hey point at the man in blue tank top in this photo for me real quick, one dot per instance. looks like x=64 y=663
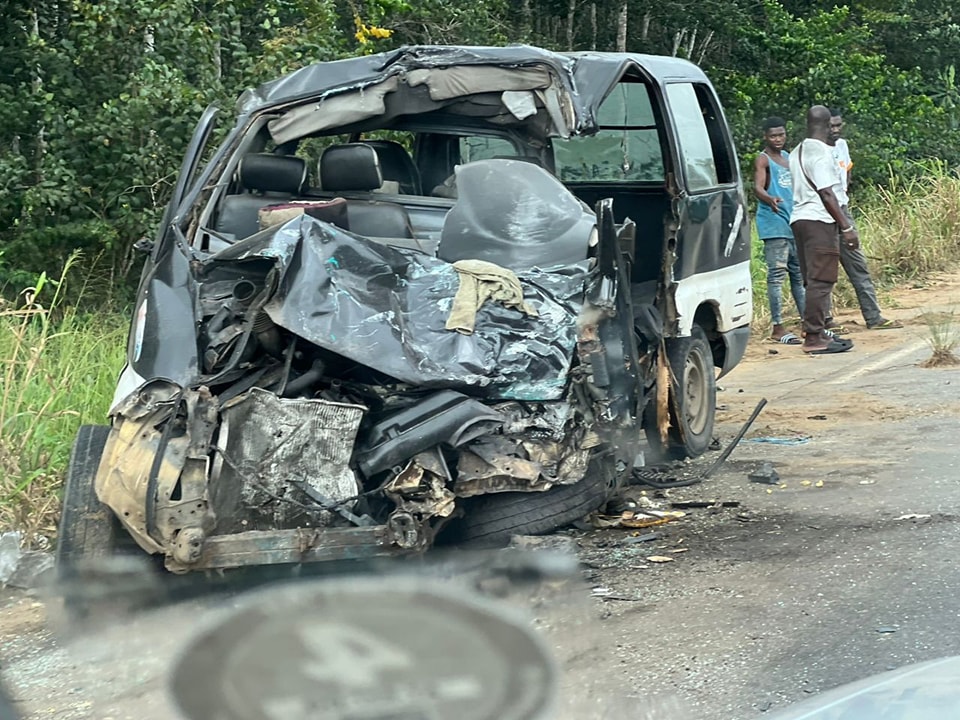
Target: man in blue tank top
x=773 y=187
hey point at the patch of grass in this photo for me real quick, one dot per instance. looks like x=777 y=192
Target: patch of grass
x=943 y=338
x=58 y=368
x=911 y=227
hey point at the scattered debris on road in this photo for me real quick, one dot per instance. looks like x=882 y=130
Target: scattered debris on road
x=636 y=539
x=765 y=474
x=636 y=519
x=796 y=440
x=694 y=504
x=20 y=568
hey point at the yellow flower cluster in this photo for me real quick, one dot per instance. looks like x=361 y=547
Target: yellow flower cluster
x=365 y=33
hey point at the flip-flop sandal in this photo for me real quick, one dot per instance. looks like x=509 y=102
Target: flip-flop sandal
x=834 y=346
x=886 y=325
x=787 y=339
x=837 y=330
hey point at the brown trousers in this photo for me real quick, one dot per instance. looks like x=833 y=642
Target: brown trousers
x=819 y=252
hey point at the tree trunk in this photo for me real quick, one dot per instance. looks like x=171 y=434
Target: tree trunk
x=704 y=46
x=571 y=13
x=593 y=26
x=37 y=87
x=678 y=38
x=645 y=28
x=526 y=20
x=691 y=43
x=622 y=29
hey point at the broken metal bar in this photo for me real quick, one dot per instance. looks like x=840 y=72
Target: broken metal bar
x=736 y=441
x=329 y=504
x=303 y=545
x=153 y=478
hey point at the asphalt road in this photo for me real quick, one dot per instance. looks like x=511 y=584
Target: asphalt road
x=818 y=581
x=844 y=569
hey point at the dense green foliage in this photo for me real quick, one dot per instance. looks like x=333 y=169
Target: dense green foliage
x=101 y=97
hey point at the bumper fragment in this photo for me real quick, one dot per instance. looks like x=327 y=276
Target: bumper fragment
x=299 y=545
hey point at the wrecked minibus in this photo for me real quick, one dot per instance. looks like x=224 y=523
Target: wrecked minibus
x=435 y=292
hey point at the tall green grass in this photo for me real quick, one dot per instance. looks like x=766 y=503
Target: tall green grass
x=908 y=229
x=911 y=227
x=58 y=367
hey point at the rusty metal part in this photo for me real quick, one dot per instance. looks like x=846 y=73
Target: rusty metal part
x=405 y=531
x=487 y=468
x=184 y=507
x=188 y=546
x=274 y=547
x=131 y=454
x=421 y=495
x=421 y=488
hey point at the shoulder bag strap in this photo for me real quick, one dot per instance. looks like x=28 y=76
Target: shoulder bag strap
x=804 y=170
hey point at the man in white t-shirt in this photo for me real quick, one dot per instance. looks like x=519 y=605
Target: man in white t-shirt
x=815 y=220
x=854 y=262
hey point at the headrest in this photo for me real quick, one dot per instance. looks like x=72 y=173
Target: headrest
x=396 y=164
x=273 y=173
x=354 y=166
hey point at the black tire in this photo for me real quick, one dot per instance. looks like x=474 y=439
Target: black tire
x=694 y=390
x=493 y=519
x=88 y=528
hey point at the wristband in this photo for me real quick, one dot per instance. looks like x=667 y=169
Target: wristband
x=846 y=230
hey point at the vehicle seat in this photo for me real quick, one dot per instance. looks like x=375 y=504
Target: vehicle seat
x=396 y=164
x=354 y=169
x=265 y=179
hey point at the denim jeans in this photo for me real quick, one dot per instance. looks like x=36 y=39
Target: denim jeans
x=782 y=261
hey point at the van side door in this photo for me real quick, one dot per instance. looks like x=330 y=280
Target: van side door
x=713 y=240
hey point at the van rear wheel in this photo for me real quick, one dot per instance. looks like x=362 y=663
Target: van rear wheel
x=693 y=399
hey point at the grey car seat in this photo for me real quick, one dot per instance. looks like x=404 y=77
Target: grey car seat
x=396 y=164
x=265 y=179
x=352 y=171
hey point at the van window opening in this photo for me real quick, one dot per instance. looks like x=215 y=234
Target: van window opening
x=626 y=147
